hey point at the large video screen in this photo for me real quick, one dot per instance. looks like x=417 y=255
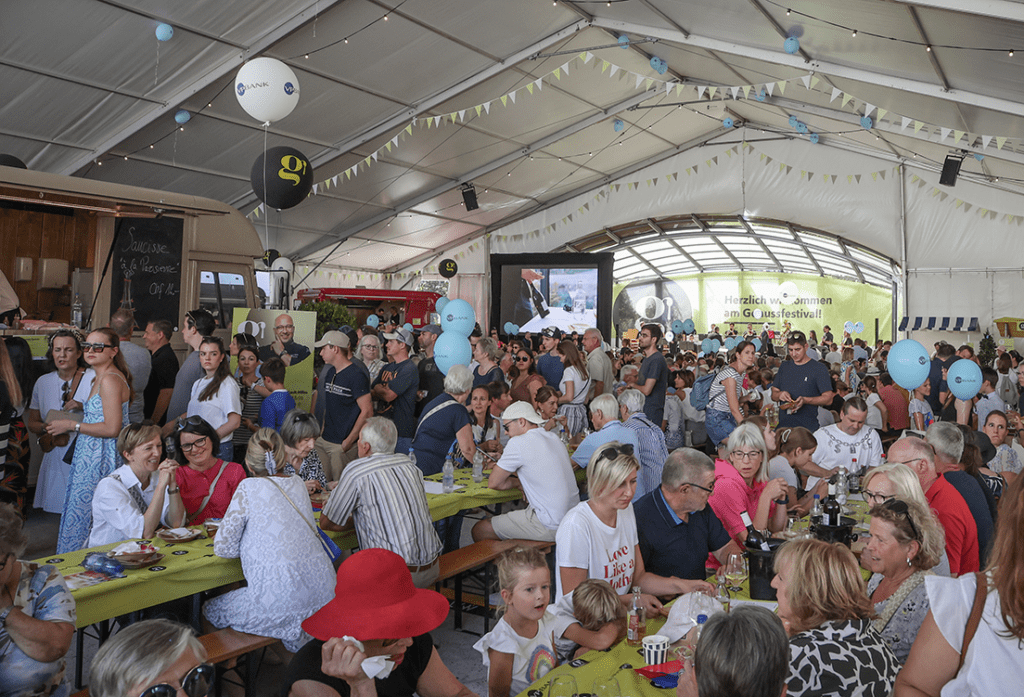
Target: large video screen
x=568 y=291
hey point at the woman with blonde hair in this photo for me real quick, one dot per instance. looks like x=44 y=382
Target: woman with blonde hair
x=834 y=649
x=96 y=456
x=486 y=354
x=604 y=527
x=269 y=525
x=990 y=662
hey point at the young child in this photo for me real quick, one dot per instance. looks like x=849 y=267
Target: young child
x=590 y=618
x=520 y=648
x=920 y=410
x=280 y=401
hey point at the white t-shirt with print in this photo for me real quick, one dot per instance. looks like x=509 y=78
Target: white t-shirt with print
x=584 y=542
x=533 y=657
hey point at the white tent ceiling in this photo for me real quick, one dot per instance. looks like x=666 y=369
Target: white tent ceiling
x=89 y=91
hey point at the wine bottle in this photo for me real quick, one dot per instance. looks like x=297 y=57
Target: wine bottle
x=831 y=511
x=755 y=540
x=539 y=302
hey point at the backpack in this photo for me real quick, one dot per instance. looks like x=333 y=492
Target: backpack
x=701 y=391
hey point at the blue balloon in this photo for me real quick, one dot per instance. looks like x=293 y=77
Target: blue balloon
x=440 y=303
x=677 y=326
x=848 y=327
x=458 y=316
x=182 y=117
x=801 y=127
x=452 y=349
x=705 y=346
x=515 y=328
x=688 y=326
x=757 y=343
x=618 y=125
x=407 y=327
x=858 y=328
x=507 y=327
x=372 y=321
x=978 y=156
x=715 y=345
x=964 y=379
x=908 y=364
x=793 y=121
x=728 y=122
x=623 y=41
x=791 y=45
x=866 y=122
x=814 y=138
x=730 y=343
x=164 y=32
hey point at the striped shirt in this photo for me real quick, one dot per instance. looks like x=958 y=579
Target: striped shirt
x=652 y=452
x=384 y=494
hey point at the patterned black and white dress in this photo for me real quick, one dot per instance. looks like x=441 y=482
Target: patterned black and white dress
x=845 y=658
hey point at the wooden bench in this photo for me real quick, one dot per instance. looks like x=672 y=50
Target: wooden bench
x=227 y=644
x=456 y=565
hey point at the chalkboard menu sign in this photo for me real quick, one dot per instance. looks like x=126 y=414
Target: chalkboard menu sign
x=146 y=270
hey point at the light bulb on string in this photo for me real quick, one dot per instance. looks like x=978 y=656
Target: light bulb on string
x=1010 y=53
x=854 y=35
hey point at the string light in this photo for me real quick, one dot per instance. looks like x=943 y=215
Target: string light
x=1011 y=53
x=928 y=49
x=854 y=33
x=788 y=12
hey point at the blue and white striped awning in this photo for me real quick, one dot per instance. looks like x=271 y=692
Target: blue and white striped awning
x=939 y=324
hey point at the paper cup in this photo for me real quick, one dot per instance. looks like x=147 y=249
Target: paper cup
x=655 y=649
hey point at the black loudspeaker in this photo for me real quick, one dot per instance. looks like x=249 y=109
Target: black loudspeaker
x=950 y=170
x=469 y=197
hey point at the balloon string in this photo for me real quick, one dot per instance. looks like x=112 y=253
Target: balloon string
x=266 y=209
x=156 y=68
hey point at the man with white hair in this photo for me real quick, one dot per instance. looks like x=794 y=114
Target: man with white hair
x=538 y=459
x=599 y=366
x=381 y=495
x=948 y=441
x=948 y=505
x=652 y=450
x=604 y=412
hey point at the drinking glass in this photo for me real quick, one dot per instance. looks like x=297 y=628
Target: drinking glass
x=606 y=687
x=562 y=686
x=736 y=571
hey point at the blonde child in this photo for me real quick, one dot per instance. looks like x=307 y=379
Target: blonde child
x=520 y=648
x=589 y=618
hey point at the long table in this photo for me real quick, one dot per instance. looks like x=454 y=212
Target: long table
x=191 y=567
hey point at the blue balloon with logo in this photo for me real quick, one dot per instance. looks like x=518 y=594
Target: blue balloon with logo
x=757 y=343
x=440 y=303
x=705 y=346
x=688 y=326
x=507 y=327
x=372 y=321
x=858 y=328
x=451 y=349
x=458 y=316
x=715 y=345
x=515 y=328
x=730 y=343
x=908 y=364
x=964 y=379
x=848 y=327
x=677 y=326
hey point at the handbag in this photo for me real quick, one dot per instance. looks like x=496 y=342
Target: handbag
x=332 y=550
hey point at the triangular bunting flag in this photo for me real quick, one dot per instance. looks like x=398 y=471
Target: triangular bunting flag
x=883 y=174
x=587 y=56
x=374 y=155
x=735 y=91
x=917 y=126
x=648 y=182
x=958 y=203
x=529 y=88
x=834 y=177
x=967 y=207
x=810 y=175
x=768 y=160
x=992 y=215
x=679 y=88
x=985 y=140
x=437 y=121
x=769 y=87
x=639 y=79
x=868 y=108
x=825 y=178
x=408 y=129
x=943 y=195
x=452 y=116
x=335 y=179
x=557 y=72
x=882 y=113
x=814 y=81
x=943 y=132
x=688 y=172
x=874 y=176
x=806 y=79
x=782 y=87
x=315 y=187
x=668 y=88
x=835 y=93
x=983 y=211
x=849 y=178
x=905 y=122
x=512 y=96
x=789 y=168
x=648 y=83
x=735 y=149
x=614 y=70
x=565 y=67
x=605 y=65
x=629 y=186
x=504 y=100
x=540 y=84
x=999 y=142
x=367 y=161
x=655 y=180
x=846 y=98
x=487 y=107
x=348 y=173
x=857 y=177
x=715 y=159
x=728 y=153
x=782 y=166
x=695 y=169
x=746 y=91
x=763 y=156
x=711 y=92
x=957 y=135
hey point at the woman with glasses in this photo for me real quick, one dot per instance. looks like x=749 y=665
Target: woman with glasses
x=906 y=543
x=152 y=658
x=52 y=393
x=37 y=617
x=598 y=538
x=894 y=480
x=96 y=456
x=207 y=482
x=742 y=484
x=299 y=432
x=368 y=351
x=215 y=396
x=525 y=378
x=269 y=526
x=834 y=649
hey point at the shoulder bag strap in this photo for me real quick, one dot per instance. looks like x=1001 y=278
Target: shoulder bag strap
x=975 y=618
x=202 y=507
x=79 y=374
x=430 y=413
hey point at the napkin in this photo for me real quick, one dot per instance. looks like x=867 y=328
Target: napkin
x=178 y=532
x=376 y=666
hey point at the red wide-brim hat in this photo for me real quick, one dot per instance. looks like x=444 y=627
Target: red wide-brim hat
x=375 y=598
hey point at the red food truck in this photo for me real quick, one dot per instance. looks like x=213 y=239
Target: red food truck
x=413 y=306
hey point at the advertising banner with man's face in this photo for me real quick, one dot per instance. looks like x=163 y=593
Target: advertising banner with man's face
x=286 y=335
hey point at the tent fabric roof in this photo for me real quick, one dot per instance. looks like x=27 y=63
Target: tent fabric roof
x=534 y=87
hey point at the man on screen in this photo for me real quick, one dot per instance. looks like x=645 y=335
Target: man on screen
x=283 y=346
x=526 y=307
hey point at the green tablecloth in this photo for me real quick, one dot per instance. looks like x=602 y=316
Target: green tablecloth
x=192 y=567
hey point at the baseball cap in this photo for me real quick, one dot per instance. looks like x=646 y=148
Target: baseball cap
x=551 y=332
x=401 y=334
x=334 y=338
x=521 y=410
x=432 y=329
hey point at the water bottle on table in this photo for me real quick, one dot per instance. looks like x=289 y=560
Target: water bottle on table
x=448 y=476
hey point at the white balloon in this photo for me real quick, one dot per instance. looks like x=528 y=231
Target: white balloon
x=788 y=293
x=267 y=89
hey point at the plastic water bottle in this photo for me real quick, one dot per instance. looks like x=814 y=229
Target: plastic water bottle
x=842 y=486
x=563 y=435
x=103 y=564
x=701 y=619
x=636 y=620
x=816 y=509
x=76 y=312
x=478 y=466
x=412 y=456
x=448 y=476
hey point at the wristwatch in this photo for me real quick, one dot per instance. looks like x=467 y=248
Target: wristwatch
x=78 y=427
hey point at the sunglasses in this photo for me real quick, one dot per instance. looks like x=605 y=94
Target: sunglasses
x=902 y=510
x=613 y=452
x=197 y=683
x=197 y=443
x=97 y=348
x=65 y=391
x=189 y=421
x=522 y=359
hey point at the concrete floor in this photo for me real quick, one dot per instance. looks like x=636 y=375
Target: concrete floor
x=455 y=648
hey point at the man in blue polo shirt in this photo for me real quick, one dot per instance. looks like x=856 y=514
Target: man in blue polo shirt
x=604 y=411
x=801 y=386
x=675 y=524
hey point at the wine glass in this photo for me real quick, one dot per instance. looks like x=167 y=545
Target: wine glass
x=736 y=571
x=562 y=686
x=606 y=687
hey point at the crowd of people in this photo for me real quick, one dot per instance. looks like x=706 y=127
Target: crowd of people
x=678 y=448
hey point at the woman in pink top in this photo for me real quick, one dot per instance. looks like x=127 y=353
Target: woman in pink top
x=742 y=484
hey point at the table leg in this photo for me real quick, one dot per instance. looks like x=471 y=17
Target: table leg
x=197 y=608
x=487 y=597
x=458 y=603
